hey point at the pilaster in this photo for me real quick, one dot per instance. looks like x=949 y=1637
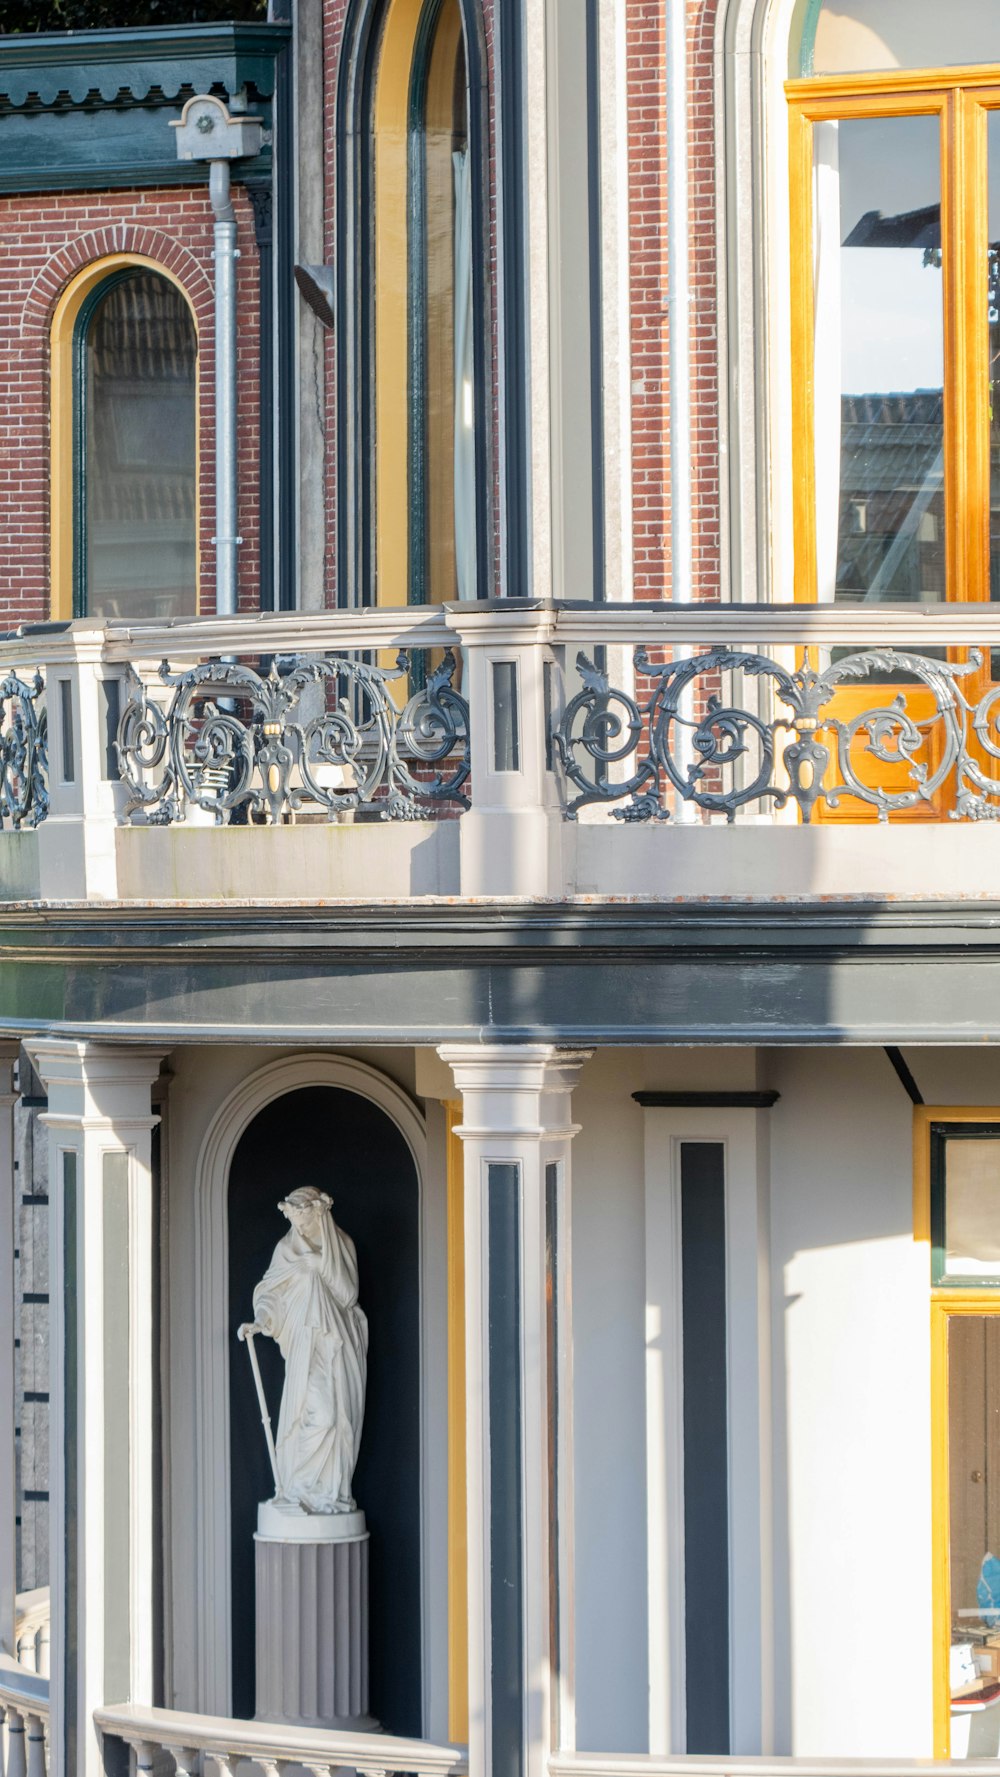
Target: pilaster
x=516 y=1132
x=103 y=1344
x=8 y=1241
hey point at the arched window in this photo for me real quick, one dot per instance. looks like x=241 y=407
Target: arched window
x=125 y=374
x=414 y=500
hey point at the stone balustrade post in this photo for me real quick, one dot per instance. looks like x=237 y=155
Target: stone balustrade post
x=103 y=1351
x=516 y=1132
x=77 y=841
x=511 y=837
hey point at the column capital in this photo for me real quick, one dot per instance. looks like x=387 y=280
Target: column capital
x=91 y=1083
x=539 y=1067
x=514 y=1089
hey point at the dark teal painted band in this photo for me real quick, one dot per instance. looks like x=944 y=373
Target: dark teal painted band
x=503 y=1208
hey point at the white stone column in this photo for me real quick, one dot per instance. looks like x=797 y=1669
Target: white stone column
x=103 y=1344
x=77 y=856
x=511 y=836
x=516 y=1133
x=8 y=1241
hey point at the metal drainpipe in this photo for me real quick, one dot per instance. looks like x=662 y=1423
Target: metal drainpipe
x=226 y=254
x=679 y=316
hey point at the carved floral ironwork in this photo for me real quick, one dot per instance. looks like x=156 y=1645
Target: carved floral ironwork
x=24 y=794
x=317 y=733
x=725 y=729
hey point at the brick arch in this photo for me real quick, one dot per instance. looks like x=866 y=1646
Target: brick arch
x=101 y=243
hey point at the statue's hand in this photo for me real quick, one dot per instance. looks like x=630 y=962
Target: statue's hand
x=248 y=1327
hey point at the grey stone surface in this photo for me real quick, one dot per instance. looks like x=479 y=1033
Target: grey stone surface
x=31 y=1331
x=312 y=1633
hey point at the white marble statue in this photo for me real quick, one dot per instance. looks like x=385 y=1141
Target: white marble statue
x=308 y=1301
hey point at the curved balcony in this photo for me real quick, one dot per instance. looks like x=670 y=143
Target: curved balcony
x=505 y=749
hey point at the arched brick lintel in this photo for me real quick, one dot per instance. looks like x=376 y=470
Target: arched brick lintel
x=101 y=243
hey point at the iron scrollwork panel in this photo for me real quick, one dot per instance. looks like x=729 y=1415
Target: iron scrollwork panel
x=24 y=764
x=725 y=729
x=308 y=733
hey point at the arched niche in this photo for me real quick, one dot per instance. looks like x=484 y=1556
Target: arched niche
x=270 y=1100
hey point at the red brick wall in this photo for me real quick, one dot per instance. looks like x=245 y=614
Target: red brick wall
x=44 y=242
x=335 y=11
x=649 y=285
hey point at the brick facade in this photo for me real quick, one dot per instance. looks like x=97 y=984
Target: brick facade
x=45 y=240
x=647 y=150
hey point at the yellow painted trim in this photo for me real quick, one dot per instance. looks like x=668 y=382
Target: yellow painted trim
x=943 y=1305
x=392 y=102
x=61 y=422
x=961 y=99
x=458 y=1562
x=893 y=80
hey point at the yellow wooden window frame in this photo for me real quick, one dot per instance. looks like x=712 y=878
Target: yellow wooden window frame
x=64 y=318
x=944 y=1304
x=961 y=99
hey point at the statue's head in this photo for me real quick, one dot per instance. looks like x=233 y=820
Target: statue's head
x=303 y=1205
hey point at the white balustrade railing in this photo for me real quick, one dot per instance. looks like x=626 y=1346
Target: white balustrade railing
x=24 y=1721
x=203 y=1744
x=32 y=1611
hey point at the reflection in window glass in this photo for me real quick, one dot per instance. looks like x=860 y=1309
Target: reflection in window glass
x=974 y=1534
x=139 y=493
x=859 y=36
x=968 y=1231
x=879 y=360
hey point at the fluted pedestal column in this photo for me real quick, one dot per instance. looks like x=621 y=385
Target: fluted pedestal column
x=312 y=1620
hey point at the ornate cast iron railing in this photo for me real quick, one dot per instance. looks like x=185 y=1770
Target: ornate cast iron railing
x=723 y=730
x=24 y=794
x=307 y=732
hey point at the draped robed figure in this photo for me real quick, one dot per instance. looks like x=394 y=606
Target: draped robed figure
x=307 y=1300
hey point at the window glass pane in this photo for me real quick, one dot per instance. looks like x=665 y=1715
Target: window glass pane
x=879 y=360
x=139 y=468
x=856 y=36
x=972 y=1206
x=974 y=1568
x=993 y=335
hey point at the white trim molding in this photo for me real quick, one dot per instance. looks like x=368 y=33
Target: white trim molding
x=212 y=1622
x=743 y=1133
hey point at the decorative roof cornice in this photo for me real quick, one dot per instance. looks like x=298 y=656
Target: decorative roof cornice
x=133 y=64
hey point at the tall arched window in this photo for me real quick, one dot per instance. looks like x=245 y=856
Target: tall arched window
x=124 y=518
x=413 y=342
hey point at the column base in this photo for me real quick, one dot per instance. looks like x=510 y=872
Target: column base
x=312 y=1622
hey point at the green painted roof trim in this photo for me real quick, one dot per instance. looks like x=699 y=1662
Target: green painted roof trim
x=131 y=65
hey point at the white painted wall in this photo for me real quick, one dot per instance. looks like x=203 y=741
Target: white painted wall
x=850 y=1438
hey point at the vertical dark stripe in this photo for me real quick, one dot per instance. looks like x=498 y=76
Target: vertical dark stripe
x=283 y=186
x=159 y=1357
x=706 y=1446
x=261 y=197
x=596 y=292
x=70 y=1436
x=509 y=27
x=552 y=1430
x=506 y=1603
x=117 y=1490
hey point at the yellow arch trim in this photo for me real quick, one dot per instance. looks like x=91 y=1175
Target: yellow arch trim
x=64 y=320
x=392 y=503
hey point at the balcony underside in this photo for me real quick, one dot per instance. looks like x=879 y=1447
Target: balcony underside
x=586 y=972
